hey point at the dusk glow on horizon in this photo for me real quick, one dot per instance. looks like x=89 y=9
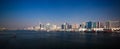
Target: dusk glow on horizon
x=25 y=13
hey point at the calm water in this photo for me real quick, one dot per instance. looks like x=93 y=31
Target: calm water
x=58 y=40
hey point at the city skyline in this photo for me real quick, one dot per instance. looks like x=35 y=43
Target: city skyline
x=24 y=13
x=92 y=25
x=112 y=26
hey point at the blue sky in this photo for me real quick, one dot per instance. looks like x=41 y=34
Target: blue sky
x=24 y=13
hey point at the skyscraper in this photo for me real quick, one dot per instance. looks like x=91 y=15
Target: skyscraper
x=65 y=26
x=83 y=25
x=69 y=26
x=89 y=25
x=113 y=24
x=62 y=26
x=40 y=26
x=94 y=25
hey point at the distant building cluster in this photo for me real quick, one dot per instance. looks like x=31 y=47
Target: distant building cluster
x=1 y=28
x=85 y=26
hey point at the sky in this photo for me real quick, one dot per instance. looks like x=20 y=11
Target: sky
x=25 y=13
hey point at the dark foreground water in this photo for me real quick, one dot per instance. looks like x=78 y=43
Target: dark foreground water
x=58 y=40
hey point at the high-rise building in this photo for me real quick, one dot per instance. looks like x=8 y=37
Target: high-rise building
x=113 y=24
x=107 y=25
x=94 y=25
x=75 y=26
x=89 y=25
x=40 y=26
x=83 y=25
x=65 y=26
x=69 y=26
x=53 y=27
x=62 y=26
x=80 y=26
x=99 y=25
x=48 y=25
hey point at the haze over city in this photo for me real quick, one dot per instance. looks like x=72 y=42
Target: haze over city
x=25 y=13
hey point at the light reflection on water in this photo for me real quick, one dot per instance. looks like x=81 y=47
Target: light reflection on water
x=32 y=39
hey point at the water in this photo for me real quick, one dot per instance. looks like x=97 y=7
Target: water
x=58 y=40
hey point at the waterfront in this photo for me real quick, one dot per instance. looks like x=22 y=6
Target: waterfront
x=58 y=40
